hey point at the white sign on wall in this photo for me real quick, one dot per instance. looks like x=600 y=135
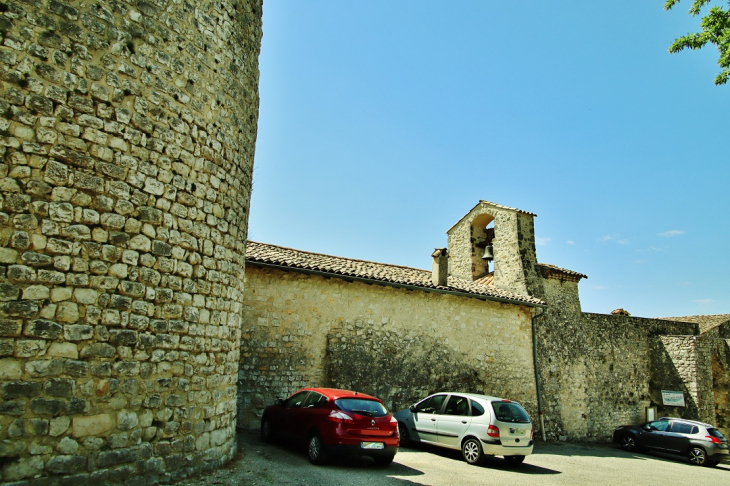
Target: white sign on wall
x=673 y=398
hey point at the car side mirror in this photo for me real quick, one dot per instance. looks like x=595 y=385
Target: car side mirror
x=279 y=402
x=412 y=408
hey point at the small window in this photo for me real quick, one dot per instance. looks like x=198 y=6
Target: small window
x=680 y=428
x=431 y=405
x=476 y=409
x=660 y=425
x=296 y=400
x=457 y=406
x=314 y=400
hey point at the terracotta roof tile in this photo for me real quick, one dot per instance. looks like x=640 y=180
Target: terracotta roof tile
x=548 y=270
x=507 y=207
x=348 y=267
x=488 y=279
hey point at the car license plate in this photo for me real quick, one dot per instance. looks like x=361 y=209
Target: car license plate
x=514 y=431
x=372 y=445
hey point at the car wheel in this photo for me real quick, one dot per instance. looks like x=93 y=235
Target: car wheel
x=698 y=456
x=514 y=460
x=383 y=460
x=628 y=443
x=471 y=449
x=315 y=450
x=266 y=435
x=405 y=437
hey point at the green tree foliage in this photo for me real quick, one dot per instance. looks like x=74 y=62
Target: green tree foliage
x=715 y=30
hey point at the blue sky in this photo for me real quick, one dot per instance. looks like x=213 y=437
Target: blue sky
x=383 y=122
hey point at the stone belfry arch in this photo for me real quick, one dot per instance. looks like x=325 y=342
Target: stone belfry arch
x=509 y=233
x=127 y=134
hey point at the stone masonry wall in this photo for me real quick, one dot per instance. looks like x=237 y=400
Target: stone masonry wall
x=721 y=384
x=400 y=345
x=693 y=365
x=599 y=371
x=127 y=132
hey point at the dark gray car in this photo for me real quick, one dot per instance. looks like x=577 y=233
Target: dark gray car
x=701 y=443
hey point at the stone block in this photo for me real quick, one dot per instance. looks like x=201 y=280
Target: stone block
x=66 y=464
x=9 y=291
x=44 y=367
x=24 y=467
x=67 y=312
x=8 y=256
x=58 y=426
x=36 y=292
x=127 y=420
x=20 y=389
x=78 y=332
x=7 y=346
x=91 y=425
x=10 y=369
x=10 y=327
x=52 y=407
x=123 y=337
x=59 y=387
x=64 y=350
x=43 y=328
x=20 y=308
x=60 y=294
x=28 y=348
x=98 y=350
x=67 y=446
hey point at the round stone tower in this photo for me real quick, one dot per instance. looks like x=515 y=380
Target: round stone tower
x=127 y=133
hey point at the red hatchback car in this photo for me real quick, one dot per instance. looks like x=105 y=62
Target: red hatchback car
x=332 y=421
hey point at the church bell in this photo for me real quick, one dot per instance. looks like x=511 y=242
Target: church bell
x=488 y=254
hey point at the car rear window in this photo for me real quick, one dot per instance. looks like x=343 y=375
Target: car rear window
x=510 y=412
x=362 y=406
x=715 y=433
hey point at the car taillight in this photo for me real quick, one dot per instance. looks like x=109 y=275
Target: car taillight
x=493 y=431
x=340 y=418
x=712 y=439
x=393 y=422
x=532 y=430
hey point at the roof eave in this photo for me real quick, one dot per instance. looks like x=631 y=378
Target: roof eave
x=386 y=283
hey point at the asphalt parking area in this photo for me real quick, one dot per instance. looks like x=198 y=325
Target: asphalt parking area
x=551 y=464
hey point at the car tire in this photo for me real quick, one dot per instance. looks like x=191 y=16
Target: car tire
x=383 y=460
x=628 y=443
x=315 y=450
x=471 y=449
x=698 y=456
x=405 y=437
x=514 y=460
x=266 y=433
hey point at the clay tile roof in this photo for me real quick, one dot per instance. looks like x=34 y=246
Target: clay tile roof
x=548 y=270
x=507 y=207
x=488 y=279
x=705 y=323
x=499 y=206
x=347 y=267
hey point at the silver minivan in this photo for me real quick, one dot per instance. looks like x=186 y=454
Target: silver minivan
x=478 y=425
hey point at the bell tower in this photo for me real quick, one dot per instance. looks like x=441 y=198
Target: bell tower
x=494 y=233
